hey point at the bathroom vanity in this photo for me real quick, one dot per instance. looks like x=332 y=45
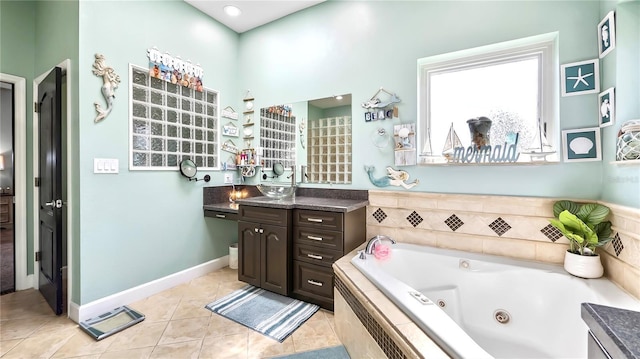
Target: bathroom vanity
x=288 y=245
x=613 y=332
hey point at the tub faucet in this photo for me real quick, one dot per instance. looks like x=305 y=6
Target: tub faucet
x=373 y=242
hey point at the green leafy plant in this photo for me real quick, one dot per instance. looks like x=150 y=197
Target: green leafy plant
x=584 y=225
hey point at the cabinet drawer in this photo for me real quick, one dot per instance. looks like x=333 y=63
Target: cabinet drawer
x=221 y=215
x=312 y=280
x=315 y=237
x=4 y=217
x=318 y=219
x=317 y=255
x=264 y=215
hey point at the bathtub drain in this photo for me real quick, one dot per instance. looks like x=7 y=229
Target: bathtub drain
x=502 y=316
x=442 y=303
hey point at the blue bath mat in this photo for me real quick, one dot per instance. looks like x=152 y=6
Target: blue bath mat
x=271 y=314
x=338 y=352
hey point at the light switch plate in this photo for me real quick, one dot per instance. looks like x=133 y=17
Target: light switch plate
x=228 y=178
x=105 y=165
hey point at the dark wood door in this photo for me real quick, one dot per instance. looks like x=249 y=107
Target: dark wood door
x=249 y=252
x=276 y=259
x=50 y=199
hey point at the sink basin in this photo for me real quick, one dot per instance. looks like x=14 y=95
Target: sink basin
x=277 y=191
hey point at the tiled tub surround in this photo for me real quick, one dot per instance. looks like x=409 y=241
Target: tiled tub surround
x=462 y=222
x=516 y=227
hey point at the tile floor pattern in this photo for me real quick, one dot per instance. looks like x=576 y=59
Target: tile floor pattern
x=176 y=326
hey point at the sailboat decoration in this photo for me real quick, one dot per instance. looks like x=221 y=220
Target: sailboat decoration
x=450 y=144
x=539 y=148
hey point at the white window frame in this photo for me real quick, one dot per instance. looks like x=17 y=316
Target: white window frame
x=544 y=45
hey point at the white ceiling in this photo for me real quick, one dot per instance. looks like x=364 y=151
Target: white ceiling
x=254 y=13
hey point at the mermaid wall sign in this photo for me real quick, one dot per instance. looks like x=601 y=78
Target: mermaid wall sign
x=110 y=82
x=393 y=178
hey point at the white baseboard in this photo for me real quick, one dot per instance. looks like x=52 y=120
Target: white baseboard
x=24 y=282
x=83 y=312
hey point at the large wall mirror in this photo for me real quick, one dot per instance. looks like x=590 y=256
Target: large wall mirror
x=314 y=136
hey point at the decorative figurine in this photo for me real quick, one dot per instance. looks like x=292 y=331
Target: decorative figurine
x=110 y=83
x=393 y=178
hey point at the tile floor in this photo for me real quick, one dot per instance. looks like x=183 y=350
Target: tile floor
x=176 y=326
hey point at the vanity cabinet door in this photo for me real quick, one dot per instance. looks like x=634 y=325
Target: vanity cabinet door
x=275 y=266
x=249 y=256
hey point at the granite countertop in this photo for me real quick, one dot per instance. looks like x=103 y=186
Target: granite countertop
x=332 y=200
x=616 y=328
x=312 y=203
x=222 y=207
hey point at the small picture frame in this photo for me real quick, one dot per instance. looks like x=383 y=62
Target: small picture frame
x=580 y=78
x=607 y=34
x=606 y=107
x=581 y=145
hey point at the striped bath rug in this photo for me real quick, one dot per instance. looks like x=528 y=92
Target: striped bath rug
x=271 y=314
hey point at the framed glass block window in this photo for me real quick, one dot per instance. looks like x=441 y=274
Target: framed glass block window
x=277 y=138
x=329 y=153
x=169 y=122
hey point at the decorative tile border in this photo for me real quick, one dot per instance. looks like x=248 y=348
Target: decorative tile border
x=388 y=346
x=517 y=227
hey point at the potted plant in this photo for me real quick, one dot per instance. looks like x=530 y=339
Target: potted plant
x=585 y=227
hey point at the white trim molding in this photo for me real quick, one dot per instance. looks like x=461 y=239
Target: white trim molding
x=79 y=313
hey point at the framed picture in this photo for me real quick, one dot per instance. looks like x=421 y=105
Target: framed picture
x=580 y=78
x=606 y=35
x=581 y=145
x=606 y=107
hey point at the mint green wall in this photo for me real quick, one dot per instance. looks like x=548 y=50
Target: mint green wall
x=18 y=38
x=138 y=226
x=621 y=184
x=357 y=47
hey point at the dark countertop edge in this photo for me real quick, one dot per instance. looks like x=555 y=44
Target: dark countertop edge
x=615 y=324
x=343 y=205
x=220 y=207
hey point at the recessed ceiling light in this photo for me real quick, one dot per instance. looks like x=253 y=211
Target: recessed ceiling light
x=232 y=10
x=339 y=97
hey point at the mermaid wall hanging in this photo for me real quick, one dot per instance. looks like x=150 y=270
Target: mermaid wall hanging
x=110 y=83
x=393 y=178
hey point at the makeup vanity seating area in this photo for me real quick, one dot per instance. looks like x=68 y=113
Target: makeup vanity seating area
x=288 y=245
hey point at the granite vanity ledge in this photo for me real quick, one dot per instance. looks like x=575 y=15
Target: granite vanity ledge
x=332 y=200
x=615 y=328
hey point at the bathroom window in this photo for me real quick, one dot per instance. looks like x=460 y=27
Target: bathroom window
x=512 y=83
x=169 y=122
x=277 y=136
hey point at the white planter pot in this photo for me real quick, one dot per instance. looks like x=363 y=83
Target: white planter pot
x=583 y=266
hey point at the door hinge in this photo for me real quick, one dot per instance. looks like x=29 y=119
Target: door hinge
x=37 y=181
x=38 y=256
x=36 y=107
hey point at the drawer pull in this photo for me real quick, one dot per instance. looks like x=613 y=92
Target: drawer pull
x=221 y=216
x=314 y=256
x=313 y=282
x=317 y=220
x=315 y=238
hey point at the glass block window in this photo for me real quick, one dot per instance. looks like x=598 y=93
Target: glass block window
x=277 y=138
x=170 y=122
x=329 y=153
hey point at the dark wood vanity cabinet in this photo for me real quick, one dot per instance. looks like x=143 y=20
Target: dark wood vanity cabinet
x=264 y=248
x=319 y=239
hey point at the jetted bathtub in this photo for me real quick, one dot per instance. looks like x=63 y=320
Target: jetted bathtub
x=483 y=306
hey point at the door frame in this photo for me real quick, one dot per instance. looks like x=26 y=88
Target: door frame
x=66 y=68
x=23 y=281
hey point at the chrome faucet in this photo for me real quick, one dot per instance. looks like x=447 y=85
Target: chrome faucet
x=373 y=242
x=293 y=176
